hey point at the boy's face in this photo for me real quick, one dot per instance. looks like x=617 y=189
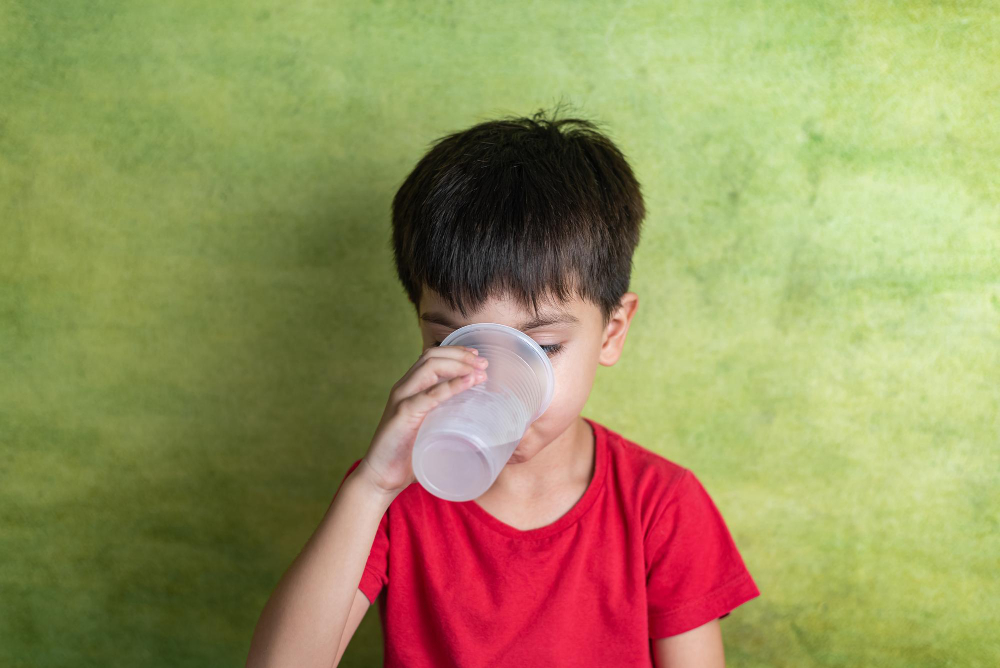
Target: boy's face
x=582 y=344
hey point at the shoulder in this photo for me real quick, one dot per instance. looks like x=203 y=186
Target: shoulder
x=639 y=466
x=647 y=480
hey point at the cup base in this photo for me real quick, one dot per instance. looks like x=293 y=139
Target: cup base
x=453 y=468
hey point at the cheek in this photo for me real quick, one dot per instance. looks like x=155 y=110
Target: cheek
x=574 y=378
x=571 y=393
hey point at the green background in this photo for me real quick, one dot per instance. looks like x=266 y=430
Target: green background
x=200 y=323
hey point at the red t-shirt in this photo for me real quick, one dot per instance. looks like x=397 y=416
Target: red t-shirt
x=643 y=554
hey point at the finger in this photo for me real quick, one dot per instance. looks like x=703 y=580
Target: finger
x=456 y=351
x=431 y=372
x=423 y=402
x=468 y=355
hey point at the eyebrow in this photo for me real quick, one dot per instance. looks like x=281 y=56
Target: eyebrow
x=534 y=323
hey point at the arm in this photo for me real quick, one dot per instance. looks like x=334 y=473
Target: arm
x=314 y=610
x=700 y=647
x=304 y=620
x=358 y=610
x=695 y=576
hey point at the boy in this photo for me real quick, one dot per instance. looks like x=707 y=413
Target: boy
x=588 y=550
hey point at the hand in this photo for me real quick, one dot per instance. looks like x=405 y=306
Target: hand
x=440 y=373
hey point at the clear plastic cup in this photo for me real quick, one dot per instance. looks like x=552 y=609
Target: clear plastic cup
x=466 y=440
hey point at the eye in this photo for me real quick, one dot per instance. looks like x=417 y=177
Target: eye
x=550 y=349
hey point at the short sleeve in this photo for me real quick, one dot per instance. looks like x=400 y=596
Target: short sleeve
x=376 y=573
x=694 y=573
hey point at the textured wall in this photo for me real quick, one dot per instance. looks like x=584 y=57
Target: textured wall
x=199 y=323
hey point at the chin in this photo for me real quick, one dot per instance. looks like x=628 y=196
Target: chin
x=521 y=454
x=528 y=447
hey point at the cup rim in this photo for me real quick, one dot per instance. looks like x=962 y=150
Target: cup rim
x=546 y=363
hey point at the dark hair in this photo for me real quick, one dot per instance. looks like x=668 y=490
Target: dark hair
x=519 y=207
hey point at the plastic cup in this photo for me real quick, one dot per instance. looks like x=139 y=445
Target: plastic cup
x=466 y=440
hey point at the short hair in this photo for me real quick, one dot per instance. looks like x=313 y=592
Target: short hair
x=530 y=208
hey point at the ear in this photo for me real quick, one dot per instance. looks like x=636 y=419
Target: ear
x=614 y=334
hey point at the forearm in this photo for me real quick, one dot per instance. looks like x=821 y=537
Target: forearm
x=304 y=619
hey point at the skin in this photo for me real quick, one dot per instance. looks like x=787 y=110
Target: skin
x=316 y=607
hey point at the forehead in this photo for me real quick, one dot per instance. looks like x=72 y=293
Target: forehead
x=573 y=313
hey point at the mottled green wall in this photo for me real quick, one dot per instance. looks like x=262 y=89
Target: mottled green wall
x=199 y=322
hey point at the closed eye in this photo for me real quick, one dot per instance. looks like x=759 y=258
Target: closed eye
x=550 y=349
